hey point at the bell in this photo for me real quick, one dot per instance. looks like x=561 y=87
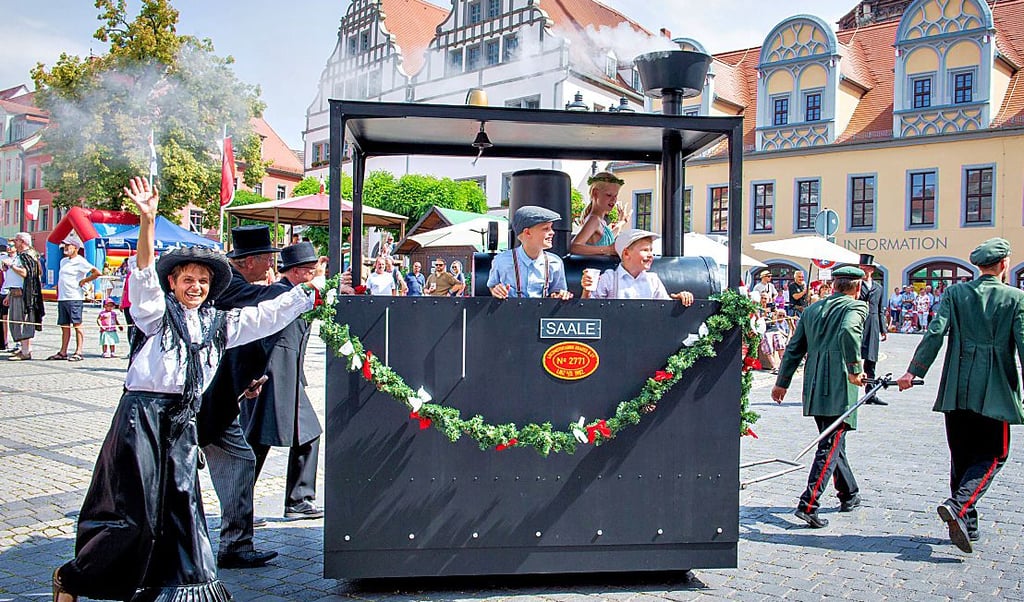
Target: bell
x=482 y=141
x=476 y=97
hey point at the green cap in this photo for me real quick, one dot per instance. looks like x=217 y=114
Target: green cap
x=848 y=271
x=990 y=251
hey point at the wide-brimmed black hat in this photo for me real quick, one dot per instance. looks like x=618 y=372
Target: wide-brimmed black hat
x=298 y=254
x=250 y=240
x=217 y=263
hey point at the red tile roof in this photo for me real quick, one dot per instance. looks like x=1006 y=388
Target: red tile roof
x=1009 y=17
x=413 y=23
x=13 y=91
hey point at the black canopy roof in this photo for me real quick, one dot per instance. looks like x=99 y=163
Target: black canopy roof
x=380 y=128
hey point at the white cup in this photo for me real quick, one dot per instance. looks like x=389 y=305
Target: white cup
x=594 y=275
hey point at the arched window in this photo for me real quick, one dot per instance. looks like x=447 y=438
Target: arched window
x=1017 y=277
x=935 y=273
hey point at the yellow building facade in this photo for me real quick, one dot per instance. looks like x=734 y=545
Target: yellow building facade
x=912 y=131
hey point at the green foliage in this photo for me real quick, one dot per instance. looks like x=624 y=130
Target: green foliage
x=104 y=108
x=413 y=195
x=734 y=314
x=578 y=205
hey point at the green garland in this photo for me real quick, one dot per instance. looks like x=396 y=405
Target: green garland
x=736 y=311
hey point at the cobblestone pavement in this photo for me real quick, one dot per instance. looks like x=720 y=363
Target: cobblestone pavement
x=53 y=416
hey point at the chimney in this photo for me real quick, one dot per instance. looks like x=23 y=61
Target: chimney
x=665 y=33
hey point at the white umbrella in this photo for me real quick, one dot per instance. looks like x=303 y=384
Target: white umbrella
x=808 y=247
x=472 y=233
x=699 y=245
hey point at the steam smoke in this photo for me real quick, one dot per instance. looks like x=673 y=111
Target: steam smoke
x=626 y=42
x=122 y=106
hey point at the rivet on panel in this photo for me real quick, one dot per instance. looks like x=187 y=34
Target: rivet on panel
x=412 y=536
x=537 y=533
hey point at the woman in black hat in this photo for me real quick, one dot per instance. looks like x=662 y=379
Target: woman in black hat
x=142 y=533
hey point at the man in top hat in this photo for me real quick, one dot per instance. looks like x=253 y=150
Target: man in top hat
x=872 y=293
x=231 y=460
x=529 y=270
x=142 y=533
x=829 y=334
x=75 y=272
x=980 y=391
x=282 y=415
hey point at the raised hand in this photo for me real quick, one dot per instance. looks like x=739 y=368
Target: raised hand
x=145 y=198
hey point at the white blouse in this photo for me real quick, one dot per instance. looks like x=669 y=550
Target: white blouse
x=158 y=371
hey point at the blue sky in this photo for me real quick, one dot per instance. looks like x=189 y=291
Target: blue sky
x=283 y=47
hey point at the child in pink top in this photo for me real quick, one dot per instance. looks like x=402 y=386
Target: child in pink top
x=109 y=325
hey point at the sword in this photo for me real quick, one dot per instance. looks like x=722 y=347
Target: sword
x=875 y=385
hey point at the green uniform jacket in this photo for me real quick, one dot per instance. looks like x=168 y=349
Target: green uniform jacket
x=985 y=322
x=829 y=333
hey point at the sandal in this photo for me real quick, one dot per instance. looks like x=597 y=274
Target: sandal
x=19 y=356
x=59 y=593
x=58 y=356
x=74 y=357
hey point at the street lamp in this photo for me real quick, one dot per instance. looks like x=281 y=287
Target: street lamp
x=623 y=107
x=577 y=103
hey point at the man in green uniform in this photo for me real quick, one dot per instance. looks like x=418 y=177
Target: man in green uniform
x=980 y=390
x=829 y=334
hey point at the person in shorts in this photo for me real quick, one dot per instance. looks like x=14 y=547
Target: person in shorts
x=75 y=272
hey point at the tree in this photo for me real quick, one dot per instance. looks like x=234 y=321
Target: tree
x=413 y=195
x=151 y=81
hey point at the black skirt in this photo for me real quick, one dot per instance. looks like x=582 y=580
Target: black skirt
x=142 y=534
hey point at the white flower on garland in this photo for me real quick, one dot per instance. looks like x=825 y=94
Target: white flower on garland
x=692 y=338
x=331 y=297
x=355 y=362
x=347 y=348
x=416 y=401
x=579 y=431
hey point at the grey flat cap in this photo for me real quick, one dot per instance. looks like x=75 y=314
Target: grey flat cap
x=530 y=215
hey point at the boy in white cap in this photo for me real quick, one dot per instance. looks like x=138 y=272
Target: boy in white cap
x=529 y=270
x=633 y=278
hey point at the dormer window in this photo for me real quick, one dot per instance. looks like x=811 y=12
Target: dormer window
x=364 y=41
x=637 y=84
x=352 y=45
x=963 y=87
x=610 y=65
x=780 y=113
x=812 y=106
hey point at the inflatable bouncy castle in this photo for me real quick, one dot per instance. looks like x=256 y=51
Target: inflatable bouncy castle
x=94 y=227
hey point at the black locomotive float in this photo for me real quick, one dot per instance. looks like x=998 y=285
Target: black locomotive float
x=663 y=495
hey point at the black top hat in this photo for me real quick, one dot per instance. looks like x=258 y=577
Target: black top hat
x=298 y=254
x=866 y=259
x=218 y=265
x=251 y=240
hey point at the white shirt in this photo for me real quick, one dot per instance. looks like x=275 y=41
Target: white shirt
x=380 y=284
x=72 y=271
x=11 y=278
x=620 y=284
x=159 y=371
x=769 y=288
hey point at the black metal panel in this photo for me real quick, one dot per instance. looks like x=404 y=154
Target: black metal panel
x=406 y=502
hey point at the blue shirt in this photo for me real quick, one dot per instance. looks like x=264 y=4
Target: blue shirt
x=415 y=282
x=531 y=272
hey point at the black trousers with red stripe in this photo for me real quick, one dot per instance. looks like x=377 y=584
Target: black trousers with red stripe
x=978 y=447
x=830 y=462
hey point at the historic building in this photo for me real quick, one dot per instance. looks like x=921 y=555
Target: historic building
x=910 y=125
x=20 y=122
x=551 y=54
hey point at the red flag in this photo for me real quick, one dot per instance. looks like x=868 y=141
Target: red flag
x=227 y=174
x=31 y=209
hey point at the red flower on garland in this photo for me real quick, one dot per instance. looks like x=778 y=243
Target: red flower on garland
x=662 y=375
x=751 y=363
x=367 y=370
x=424 y=421
x=361 y=289
x=503 y=446
x=751 y=433
x=598 y=428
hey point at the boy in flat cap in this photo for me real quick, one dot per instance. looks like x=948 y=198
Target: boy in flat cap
x=529 y=270
x=829 y=334
x=980 y=391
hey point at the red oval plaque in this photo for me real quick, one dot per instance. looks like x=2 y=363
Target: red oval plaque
x=571 y=360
